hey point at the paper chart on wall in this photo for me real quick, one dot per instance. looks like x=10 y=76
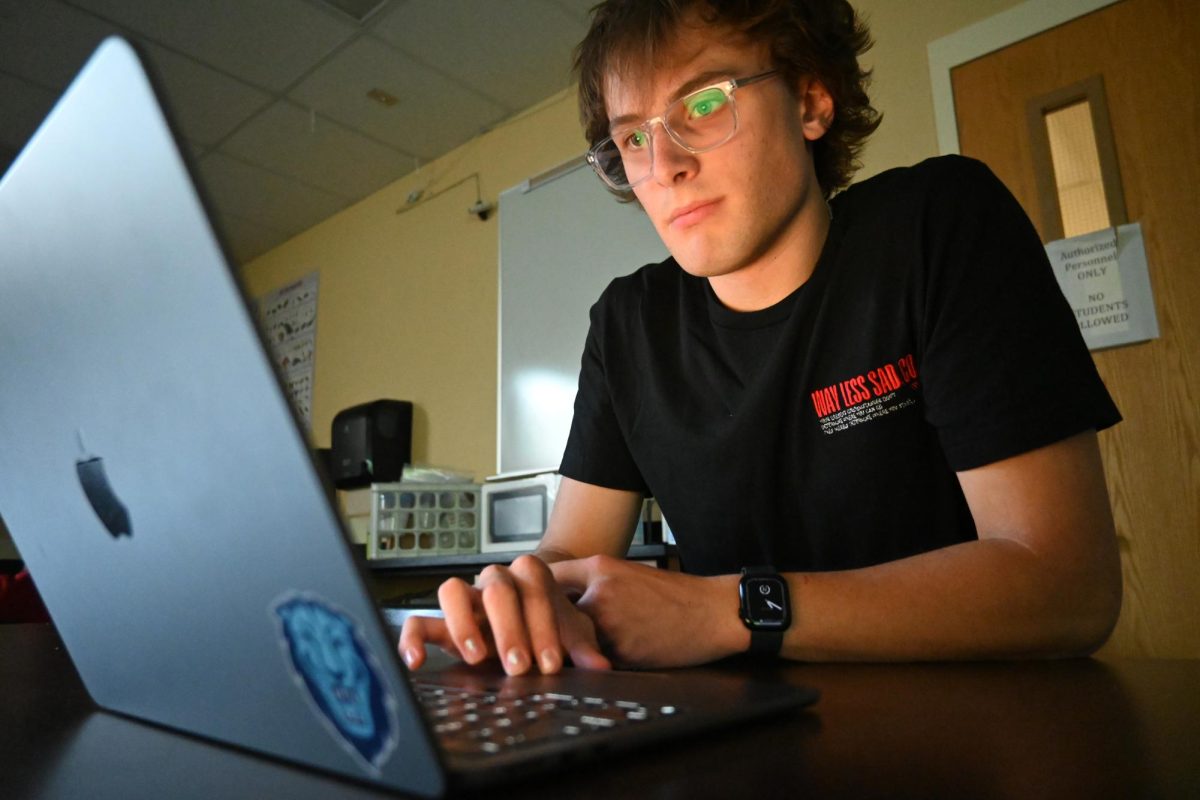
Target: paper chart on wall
x=289 y=319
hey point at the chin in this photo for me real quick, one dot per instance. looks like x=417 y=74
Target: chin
x=705 y=266
x=698 y=269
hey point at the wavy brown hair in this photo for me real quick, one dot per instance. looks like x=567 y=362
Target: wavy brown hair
x=818 y=38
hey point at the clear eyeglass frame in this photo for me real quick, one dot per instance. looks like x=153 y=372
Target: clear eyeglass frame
x=606 y=152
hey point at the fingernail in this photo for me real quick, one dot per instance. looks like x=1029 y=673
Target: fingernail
x=515 y=659
x=410 y=656
x=472 y=647
x=549 y=661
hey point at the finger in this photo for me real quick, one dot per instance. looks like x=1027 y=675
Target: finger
x=584 y=649
x=537 y=588
x=416 y=633
x=580 y=639
x=502 y=604
x=459 y=603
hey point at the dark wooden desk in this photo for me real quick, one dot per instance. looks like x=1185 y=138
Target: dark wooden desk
x=1083 y=728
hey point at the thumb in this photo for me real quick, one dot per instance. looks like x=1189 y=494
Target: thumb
x=587 y=655
x=573 y=576
x=579 y=639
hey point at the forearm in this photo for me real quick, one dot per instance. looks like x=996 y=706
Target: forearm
x=589 y=520
x=992 y=598
x=1043 y=579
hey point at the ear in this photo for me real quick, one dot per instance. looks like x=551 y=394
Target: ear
x=816 y=109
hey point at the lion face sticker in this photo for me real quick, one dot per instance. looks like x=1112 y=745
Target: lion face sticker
x=330 y=663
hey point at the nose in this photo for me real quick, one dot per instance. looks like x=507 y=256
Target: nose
x=672 y=162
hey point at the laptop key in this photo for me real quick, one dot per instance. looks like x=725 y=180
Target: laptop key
x=483 y=722
x=597 y=722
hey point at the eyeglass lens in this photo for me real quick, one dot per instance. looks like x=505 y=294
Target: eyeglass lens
x=699 y=122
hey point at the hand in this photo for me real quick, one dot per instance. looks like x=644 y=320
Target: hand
x=648 y=617
x=515 y=611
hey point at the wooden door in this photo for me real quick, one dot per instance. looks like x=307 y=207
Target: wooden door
x=1147 y=53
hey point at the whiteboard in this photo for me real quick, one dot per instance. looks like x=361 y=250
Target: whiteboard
x=563 y=237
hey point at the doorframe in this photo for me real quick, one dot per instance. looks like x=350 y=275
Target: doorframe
x=987 y=36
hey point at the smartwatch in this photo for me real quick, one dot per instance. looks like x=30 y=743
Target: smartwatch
x=765 y=608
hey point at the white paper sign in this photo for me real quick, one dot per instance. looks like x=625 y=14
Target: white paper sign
x=289 y=318
x=1105 y=279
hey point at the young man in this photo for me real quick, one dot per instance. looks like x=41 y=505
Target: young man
x=880 y=403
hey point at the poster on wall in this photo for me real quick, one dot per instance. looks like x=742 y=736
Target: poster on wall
x=1105 y=278
x=289 y=319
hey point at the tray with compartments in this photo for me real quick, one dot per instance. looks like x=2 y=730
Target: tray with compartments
x=423 y=519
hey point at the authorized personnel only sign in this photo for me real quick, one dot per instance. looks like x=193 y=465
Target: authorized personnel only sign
x=1105 y=279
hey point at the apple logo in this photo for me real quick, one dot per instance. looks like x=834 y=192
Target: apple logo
x=99 y=492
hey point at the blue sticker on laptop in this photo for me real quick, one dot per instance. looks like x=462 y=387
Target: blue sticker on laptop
x=332 y=665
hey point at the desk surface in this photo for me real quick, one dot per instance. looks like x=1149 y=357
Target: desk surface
x=1078 y=728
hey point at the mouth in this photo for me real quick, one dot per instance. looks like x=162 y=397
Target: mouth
x=691 y=214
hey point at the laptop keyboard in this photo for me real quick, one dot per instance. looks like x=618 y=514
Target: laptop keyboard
x=483 y=722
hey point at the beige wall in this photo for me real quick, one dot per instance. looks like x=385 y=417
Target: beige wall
x=900 y=86
x=407 y=304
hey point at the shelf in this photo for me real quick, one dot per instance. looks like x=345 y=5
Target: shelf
x=449 y=565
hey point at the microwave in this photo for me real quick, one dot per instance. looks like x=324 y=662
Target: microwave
x=514 y=510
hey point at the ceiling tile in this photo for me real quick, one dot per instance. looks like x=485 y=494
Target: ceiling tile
x=433 y=114
x=287 y=139
x=247 y=239
x=206 y=104
x=516 y=53
x=46 y=42
x=457 y=67
x=360 y=10
x=268 y=43
x=262 y=197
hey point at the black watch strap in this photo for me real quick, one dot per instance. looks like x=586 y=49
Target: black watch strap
x=765 y=643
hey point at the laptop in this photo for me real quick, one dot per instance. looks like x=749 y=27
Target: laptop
x=164 y=496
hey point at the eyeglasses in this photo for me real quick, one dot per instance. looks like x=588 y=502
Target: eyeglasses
x=698 y=122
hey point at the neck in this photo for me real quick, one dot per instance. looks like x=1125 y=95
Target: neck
x=782 y=268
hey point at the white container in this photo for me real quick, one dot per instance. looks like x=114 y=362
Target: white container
x=424 y=519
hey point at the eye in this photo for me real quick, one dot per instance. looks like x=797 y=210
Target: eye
x=704 y=103
x=634 y=140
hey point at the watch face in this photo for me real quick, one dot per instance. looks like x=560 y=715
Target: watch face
x=764 y=600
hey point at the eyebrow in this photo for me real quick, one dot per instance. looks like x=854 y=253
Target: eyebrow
x=706 y=78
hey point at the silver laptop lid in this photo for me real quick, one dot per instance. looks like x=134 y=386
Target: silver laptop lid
x=152 y=473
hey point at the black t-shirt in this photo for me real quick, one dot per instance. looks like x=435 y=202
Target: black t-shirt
x=824 y=432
